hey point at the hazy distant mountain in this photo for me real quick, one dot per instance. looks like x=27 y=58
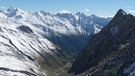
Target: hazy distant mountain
x=110 y=52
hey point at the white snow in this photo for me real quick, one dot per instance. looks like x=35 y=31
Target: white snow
x=97 y=28
x=123 y=12
x=9 y=56
x=32 y=44
x=76 y=17
x=9 y=73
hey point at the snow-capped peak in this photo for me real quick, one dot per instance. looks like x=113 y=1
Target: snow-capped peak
x=42 y=12
x=45 y=13
x=11 y=12
x=11 y=9
x=80 y=14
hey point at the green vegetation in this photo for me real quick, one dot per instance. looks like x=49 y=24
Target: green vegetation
x=56 y=63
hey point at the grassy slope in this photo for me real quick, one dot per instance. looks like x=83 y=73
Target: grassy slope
x=56 y=64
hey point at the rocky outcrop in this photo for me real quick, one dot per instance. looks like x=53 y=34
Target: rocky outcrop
x=109 y=51
x=25 y=29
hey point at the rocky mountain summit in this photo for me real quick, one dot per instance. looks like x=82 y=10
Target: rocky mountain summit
x=111 y=52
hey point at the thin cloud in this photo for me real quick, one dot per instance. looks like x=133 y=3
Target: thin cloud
x=131 y=11
x=129 y=7
x=103 y=16
x=2 y=7
x=87 y=10
x=64 y=11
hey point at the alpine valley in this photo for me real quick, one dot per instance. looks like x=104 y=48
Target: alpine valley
x=45 y=44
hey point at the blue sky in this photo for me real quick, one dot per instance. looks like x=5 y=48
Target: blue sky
x=97 y=7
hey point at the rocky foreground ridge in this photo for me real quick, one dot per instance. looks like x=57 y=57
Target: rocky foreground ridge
x=111 y=52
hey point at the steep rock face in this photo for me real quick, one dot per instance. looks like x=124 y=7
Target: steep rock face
x=25 y=29
x=109 y=51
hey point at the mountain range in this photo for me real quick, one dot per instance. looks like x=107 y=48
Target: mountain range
x=41 y=43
